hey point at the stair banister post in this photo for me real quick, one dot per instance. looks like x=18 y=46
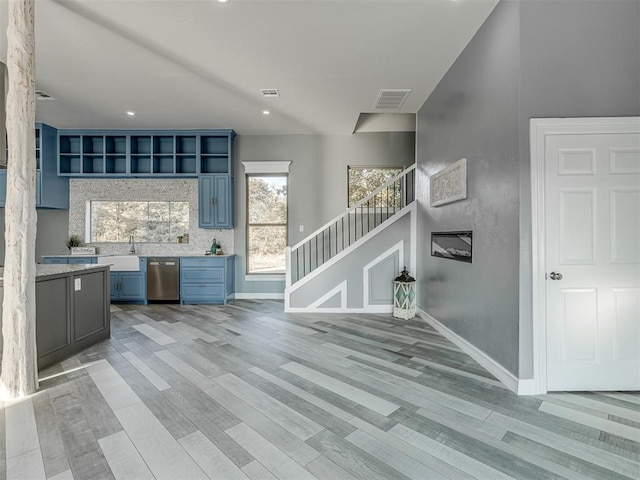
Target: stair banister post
x=287 y=272
x=403 y=196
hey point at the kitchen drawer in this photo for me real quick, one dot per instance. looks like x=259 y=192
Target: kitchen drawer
x=202 y=275
x=202 y=261
x=55 y=261
x=83 y=260
x=202 y=293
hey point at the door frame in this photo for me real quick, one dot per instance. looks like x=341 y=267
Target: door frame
x=540 y=128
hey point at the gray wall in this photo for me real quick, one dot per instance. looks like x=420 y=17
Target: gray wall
x=52 y=233
x=529 y=59
x=473 y=113
x=317 y=181
x=579 y=59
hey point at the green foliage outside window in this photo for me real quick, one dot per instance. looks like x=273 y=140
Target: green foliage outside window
x=362 y=181
x=157 y=222
x=266 y=223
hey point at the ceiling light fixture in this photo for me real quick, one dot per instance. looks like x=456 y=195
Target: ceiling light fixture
x=266 y=112
x=131 y=114
x=223 y=1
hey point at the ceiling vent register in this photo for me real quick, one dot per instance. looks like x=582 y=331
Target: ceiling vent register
x=391 y=99
x=270 y=92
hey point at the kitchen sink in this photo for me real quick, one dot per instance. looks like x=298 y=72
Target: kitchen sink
x=121 y=263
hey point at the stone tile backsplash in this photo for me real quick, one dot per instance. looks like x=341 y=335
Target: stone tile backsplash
x=82 y=191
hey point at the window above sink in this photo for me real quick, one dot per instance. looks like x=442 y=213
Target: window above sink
x=156 y=222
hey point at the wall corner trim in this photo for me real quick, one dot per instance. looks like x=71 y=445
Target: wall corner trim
x=493 y=367
x=527 y=387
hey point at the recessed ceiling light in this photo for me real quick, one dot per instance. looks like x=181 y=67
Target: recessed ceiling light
x=131 y=114
x=223 y=1
x=266 y=112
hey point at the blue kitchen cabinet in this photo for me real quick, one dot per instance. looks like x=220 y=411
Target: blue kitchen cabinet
x=130 y=287
x=144 y=153
x=207 y=279
x=64 y=260
x=215 y=201
x=52 y=191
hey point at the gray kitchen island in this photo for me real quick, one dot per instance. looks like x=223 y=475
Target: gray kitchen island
x=72 y=309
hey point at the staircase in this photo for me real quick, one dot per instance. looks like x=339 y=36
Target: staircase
x=372 y=238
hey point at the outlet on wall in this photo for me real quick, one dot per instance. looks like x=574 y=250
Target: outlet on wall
x=301 y=228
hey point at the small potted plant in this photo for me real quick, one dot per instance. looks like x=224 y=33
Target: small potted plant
x=75 y=245
x=74 y=241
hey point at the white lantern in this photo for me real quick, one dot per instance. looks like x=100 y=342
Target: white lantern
x=404 y=296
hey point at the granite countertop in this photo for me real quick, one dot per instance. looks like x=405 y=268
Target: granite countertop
x=47 y=270
x=89 y=255
x=192 y=255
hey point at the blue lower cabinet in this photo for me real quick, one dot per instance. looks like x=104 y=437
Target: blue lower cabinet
x=64 y=260
x=55 y=260
x=113 y=286
x=207 y=279
x=82 y=260
x=130 y=287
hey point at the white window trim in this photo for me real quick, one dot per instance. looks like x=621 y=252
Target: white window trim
x=257 y=168
x=251 y=168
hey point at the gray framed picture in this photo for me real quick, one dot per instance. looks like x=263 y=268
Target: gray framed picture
x=453 y=245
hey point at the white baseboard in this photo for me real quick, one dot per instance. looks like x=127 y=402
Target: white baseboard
x=493 y=367
x=371 y=309
x=259 y=296
x=527 y=387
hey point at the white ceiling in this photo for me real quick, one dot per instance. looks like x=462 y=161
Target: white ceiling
x=200 y=64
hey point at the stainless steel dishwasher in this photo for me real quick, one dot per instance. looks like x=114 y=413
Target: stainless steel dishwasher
x=163 y=279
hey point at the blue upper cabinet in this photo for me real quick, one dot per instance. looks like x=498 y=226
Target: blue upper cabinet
x=144 y=153
x=205 y=154
x=215 y=201
x=52 y=191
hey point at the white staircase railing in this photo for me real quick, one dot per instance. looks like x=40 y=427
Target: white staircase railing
x=347 y=228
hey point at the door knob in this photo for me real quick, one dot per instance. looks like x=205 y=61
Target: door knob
x=555 y=276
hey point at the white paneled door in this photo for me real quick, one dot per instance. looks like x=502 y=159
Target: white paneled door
x=592 y=210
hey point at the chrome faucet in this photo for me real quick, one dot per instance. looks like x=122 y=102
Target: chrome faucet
x=132 y=242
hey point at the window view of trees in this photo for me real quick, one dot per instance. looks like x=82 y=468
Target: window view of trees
x=363 y=181
x=157 y=222
x=266 y=223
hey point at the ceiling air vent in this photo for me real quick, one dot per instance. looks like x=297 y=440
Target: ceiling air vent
x=391 y=98
x=40 y=95
x=270 y=92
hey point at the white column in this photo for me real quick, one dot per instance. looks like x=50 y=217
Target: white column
x=19 y=369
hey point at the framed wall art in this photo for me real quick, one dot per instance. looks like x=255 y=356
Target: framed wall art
x=449 y=185
x=453 y=245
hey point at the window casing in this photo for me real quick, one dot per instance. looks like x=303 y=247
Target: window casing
x=364 y=180
x=155 y=222
x=267 y=224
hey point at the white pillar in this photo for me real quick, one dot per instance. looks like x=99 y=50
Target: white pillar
x=19 y=375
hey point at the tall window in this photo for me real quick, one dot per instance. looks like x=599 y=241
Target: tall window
x=362 y=181
x=148 y=221
x=266 y=223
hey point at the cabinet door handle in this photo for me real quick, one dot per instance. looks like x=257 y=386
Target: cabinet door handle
x=213 y=201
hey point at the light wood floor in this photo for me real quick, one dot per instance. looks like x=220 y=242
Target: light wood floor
x=245 y=391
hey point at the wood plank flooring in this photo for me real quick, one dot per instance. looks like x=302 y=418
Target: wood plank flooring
x=244 y=391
